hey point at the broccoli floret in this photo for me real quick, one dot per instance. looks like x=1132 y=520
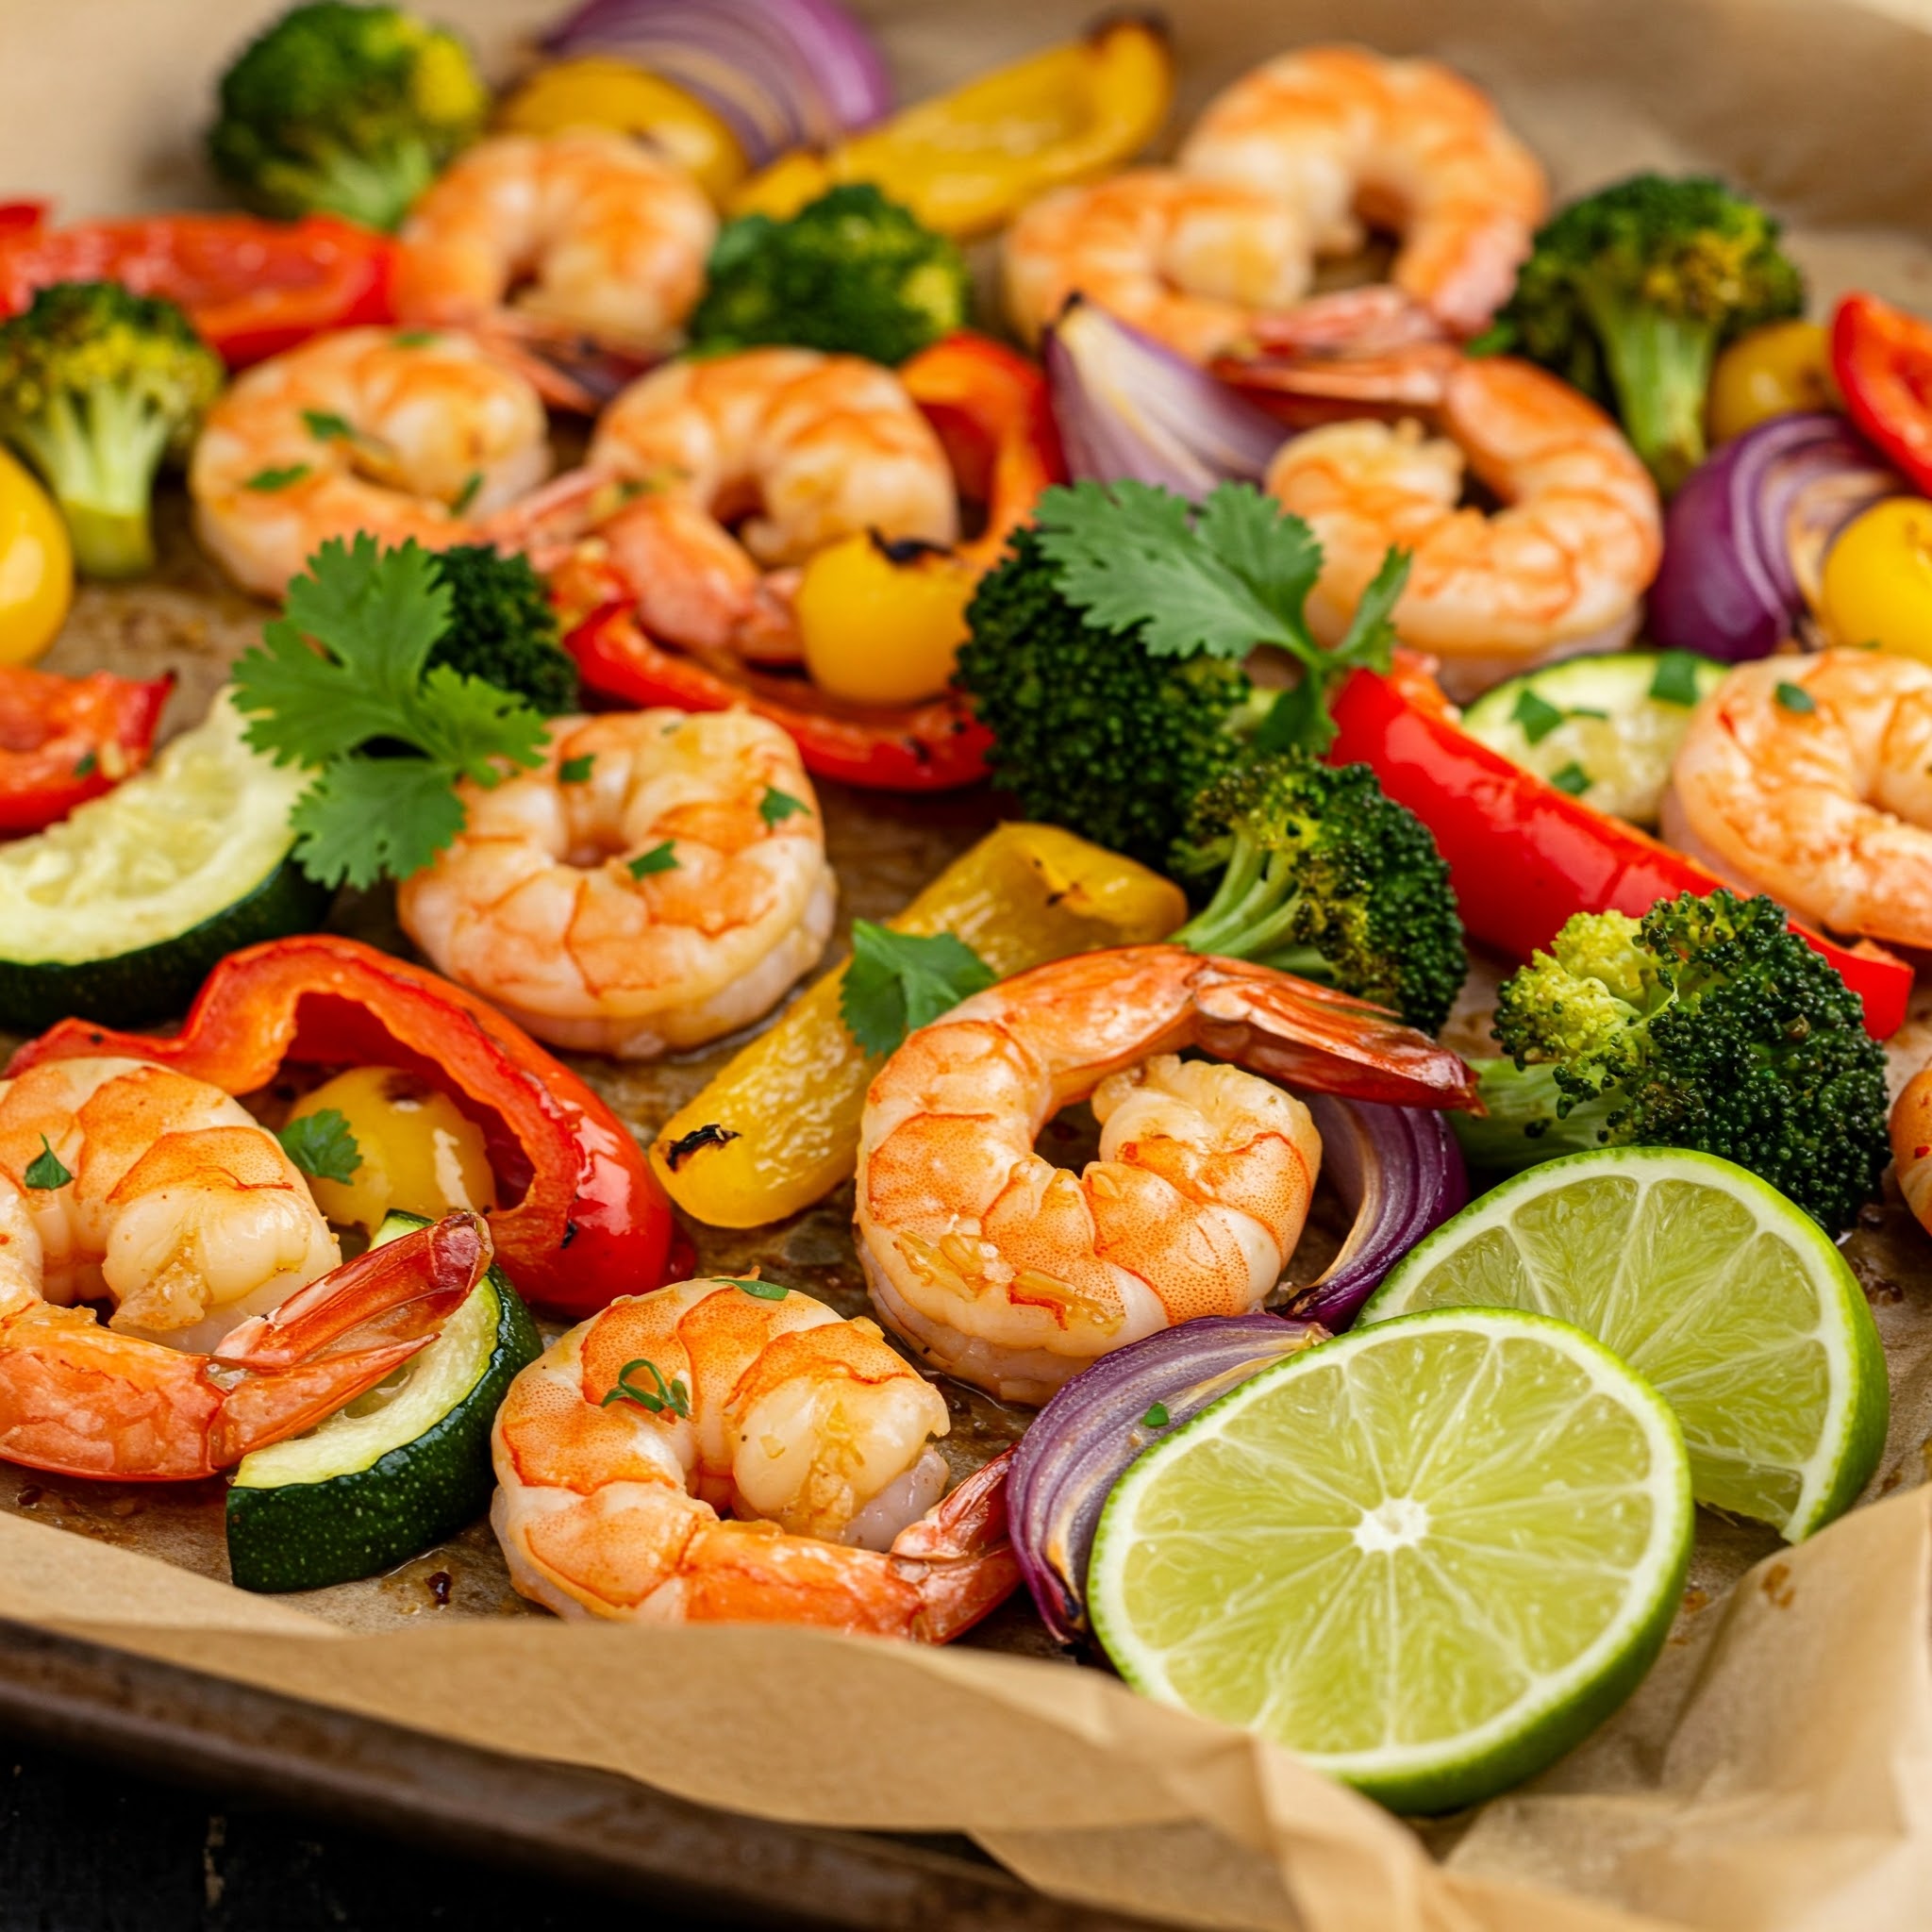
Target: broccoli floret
x=98 y=384
x=1629 y=295
x=344 y=110
x=1090 y=730
x=1707 y=1024
x=502 y=628
x=852 y=273
x=1324 y=876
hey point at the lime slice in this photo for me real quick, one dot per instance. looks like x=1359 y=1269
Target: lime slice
x=1728 y=1300
x=1429 y=1555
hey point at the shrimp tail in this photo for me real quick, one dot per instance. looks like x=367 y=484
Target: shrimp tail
x=958 y=1555
x=282 y=1403
x=402 y=1291
x=1313 y=1036
x=1301 y=379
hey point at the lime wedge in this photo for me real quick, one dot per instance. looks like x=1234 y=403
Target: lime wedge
x=1731 y=1302
x=1429 y=1555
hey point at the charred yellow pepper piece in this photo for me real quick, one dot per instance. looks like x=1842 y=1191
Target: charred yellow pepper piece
x=968 y=161
x=778 y=1128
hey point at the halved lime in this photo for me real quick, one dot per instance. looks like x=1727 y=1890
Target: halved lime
x=1730 y=1302
x=1429 y=1555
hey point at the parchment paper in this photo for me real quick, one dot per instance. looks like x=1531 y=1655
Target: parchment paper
x=1774 y=1775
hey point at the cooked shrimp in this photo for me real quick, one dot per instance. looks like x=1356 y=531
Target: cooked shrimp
x=1346 y=136
x=1912 y=1146
x=660 y=880
x=187 y=1216
x=1561 y=567
x=369 y=429
x=794 y=448
x=182 y=1209
x=1811 y=779
x=1202 y=266
x=618 y=1451
x=1012 y=1274
x=545 y=235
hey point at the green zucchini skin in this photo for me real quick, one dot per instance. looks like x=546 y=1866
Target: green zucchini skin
x=303 y=1536
x=156 y=981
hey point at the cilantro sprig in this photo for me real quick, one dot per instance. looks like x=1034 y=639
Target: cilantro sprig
x=1217 y=581
x=898 y=982
x=342 y=671
x=323 y=1145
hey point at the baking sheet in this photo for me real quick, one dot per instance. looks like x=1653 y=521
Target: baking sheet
x=1774 y=1770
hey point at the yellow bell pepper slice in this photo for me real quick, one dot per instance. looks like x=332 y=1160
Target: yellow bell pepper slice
x=968 y=161
x=778 y=1128
x=601 y=91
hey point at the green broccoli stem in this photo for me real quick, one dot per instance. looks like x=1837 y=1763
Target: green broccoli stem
x=100 y=461
x=1254 y=908
x=1521 y=1125
x=1660 y=367
x=376 y=190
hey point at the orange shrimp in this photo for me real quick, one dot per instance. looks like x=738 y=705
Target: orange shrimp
x=1012 y=1274
x=618 y=1453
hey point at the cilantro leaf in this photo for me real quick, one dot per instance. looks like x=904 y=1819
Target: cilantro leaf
x=47 y=1168
x=898 y=982
x=321 y=1145
x=776 y=806
x=1794 y=697
x=1536 y=715
x=659 y=859
x=346 y=665
x=576 y=771
x=326 y=427
x=1275 y=556
x=762 y=1291
x=276 y=478
x=1573 y=778
x=364 y=819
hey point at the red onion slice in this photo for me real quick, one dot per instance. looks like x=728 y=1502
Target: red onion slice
x=781 y=74
x=1745 y=537
x=1398 y=1168
x=1128 y=407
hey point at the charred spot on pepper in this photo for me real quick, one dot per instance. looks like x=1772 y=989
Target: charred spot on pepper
x=570 y=1234
x=711 y=1135
x=901 y=552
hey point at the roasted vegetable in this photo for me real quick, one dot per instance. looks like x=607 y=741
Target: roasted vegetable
x=502 y=628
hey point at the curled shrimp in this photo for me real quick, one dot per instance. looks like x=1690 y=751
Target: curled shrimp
x=1013 y=1274
x=1561 y=567
x=126 y=1182
x=660 y=880
x=392 y=432
x=1912 y=1146
x=1811 y=779
x=1347 y=137
x=740 y=467
x=619 y=1452
x=536 y=240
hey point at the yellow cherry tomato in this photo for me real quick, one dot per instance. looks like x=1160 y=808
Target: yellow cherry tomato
x=1878 y=583
x=36 y=566
x=598 y=91
x=415 y=1149
x=1770 y=372
x=882 y=623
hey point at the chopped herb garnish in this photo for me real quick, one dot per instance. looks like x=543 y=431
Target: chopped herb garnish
x=711 y=1135
x=1536 y=715
x=467 y=494
x=45 y=1169
x=326 y=427
x=776 y=806
x=414 y=338
x=87 y=765
x=1573 y=778
x=575 y=770
x=1675 y=681
x=659 y=859
x=898 y=982
x=672 y=1394
x=1156 y=1418
x=1794 y=697
x=277 y=479
x=765 y=1290
x=321 y=1145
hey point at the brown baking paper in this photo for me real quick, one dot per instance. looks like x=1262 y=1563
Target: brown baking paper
x=1774 y=1773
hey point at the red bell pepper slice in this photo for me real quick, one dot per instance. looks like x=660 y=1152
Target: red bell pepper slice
x=588 y=1220
x=936 y=746
x=1881 y=358
x=251 y=287
x=1523 y=855
x=66 y=740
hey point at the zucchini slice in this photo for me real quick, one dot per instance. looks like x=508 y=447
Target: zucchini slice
x=398 y=1469
x=1605 y=730
x=117 y=913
